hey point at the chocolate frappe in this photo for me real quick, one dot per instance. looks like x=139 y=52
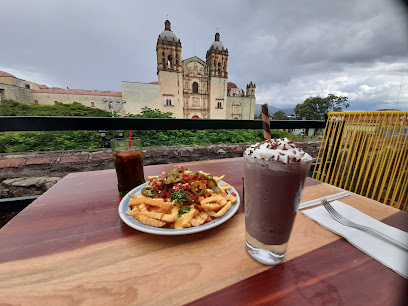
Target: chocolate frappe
x=275 y=172
x=274 y=194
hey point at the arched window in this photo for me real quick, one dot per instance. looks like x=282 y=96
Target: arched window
x=219 y=68
x=170 y=61
x=195 y=87
x=195 y=117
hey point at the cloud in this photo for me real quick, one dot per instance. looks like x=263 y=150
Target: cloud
x=32 y=74
x=291 y=49
x=364 y=92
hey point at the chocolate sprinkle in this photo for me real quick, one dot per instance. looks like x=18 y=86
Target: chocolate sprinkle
x=279 y=144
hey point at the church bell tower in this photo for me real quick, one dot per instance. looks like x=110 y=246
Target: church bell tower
x=250 y=89
x=217 y=58
x=168 y=49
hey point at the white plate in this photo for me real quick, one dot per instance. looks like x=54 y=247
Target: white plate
x=132 y=222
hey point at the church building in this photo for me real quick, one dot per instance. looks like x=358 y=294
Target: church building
x=190 y=88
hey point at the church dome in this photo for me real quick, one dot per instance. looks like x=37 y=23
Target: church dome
x=231 y=85
x=217 y=44
x=167 y=34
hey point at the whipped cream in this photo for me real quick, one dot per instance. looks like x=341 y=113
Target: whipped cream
x=278 y=149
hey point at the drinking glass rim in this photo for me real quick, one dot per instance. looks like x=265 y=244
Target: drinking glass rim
x=126 y=139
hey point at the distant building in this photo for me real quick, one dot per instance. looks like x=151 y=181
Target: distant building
x=190 y=88
x=29 y=92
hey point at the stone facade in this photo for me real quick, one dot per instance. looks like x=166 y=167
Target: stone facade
x=190 y=88
x=201 y=86
x=88 y=98
x=145 y=94
x=12 y=92
x=16 y=89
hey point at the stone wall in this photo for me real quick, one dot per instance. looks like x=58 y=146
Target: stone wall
x=48 y=97
x=240 y=107
x=171 y=87
x=138 y=95
x=24 y=174
x=12 y=92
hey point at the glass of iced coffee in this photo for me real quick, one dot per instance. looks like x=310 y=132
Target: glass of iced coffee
x=128 y=158
x=274 y=175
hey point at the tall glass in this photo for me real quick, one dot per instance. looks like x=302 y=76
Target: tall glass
x=128 y=158
x=272 y=195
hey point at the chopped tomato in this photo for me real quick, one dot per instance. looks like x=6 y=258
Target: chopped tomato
x=164 y=191
x=155 y=186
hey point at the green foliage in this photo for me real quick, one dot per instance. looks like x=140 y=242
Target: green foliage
x=49 y=141
x=279 y=115
x=315 y=108
x=147 y=112
x=14 y=108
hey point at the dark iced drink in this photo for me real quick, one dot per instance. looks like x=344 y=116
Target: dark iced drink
x=275 y=172
x=128 y=163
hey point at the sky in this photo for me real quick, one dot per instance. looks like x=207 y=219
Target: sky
x=291 y=50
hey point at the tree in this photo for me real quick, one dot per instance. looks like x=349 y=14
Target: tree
x=279 y=115
x=315 y=108
x=147 y=112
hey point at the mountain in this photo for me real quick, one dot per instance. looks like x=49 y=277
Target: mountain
x=273 y=109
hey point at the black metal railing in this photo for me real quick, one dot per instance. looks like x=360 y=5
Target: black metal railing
x=42 y=123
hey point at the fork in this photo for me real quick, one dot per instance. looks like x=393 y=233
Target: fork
x=339 y=218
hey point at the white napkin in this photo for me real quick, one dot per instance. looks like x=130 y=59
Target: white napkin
x=385 y=252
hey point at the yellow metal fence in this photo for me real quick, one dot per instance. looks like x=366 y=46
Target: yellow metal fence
x=367 y=153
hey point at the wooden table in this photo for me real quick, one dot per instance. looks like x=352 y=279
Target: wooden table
x=71 y=247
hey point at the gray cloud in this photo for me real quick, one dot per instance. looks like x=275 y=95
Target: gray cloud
x=290 y=49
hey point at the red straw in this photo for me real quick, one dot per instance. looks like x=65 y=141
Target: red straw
x=130 y=138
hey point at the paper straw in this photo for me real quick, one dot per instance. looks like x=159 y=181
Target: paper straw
x=266 y=124
x=130 y=138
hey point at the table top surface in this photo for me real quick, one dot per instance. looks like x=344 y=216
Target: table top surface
x=71 y=247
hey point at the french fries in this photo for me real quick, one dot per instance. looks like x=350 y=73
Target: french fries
x=206 y=206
